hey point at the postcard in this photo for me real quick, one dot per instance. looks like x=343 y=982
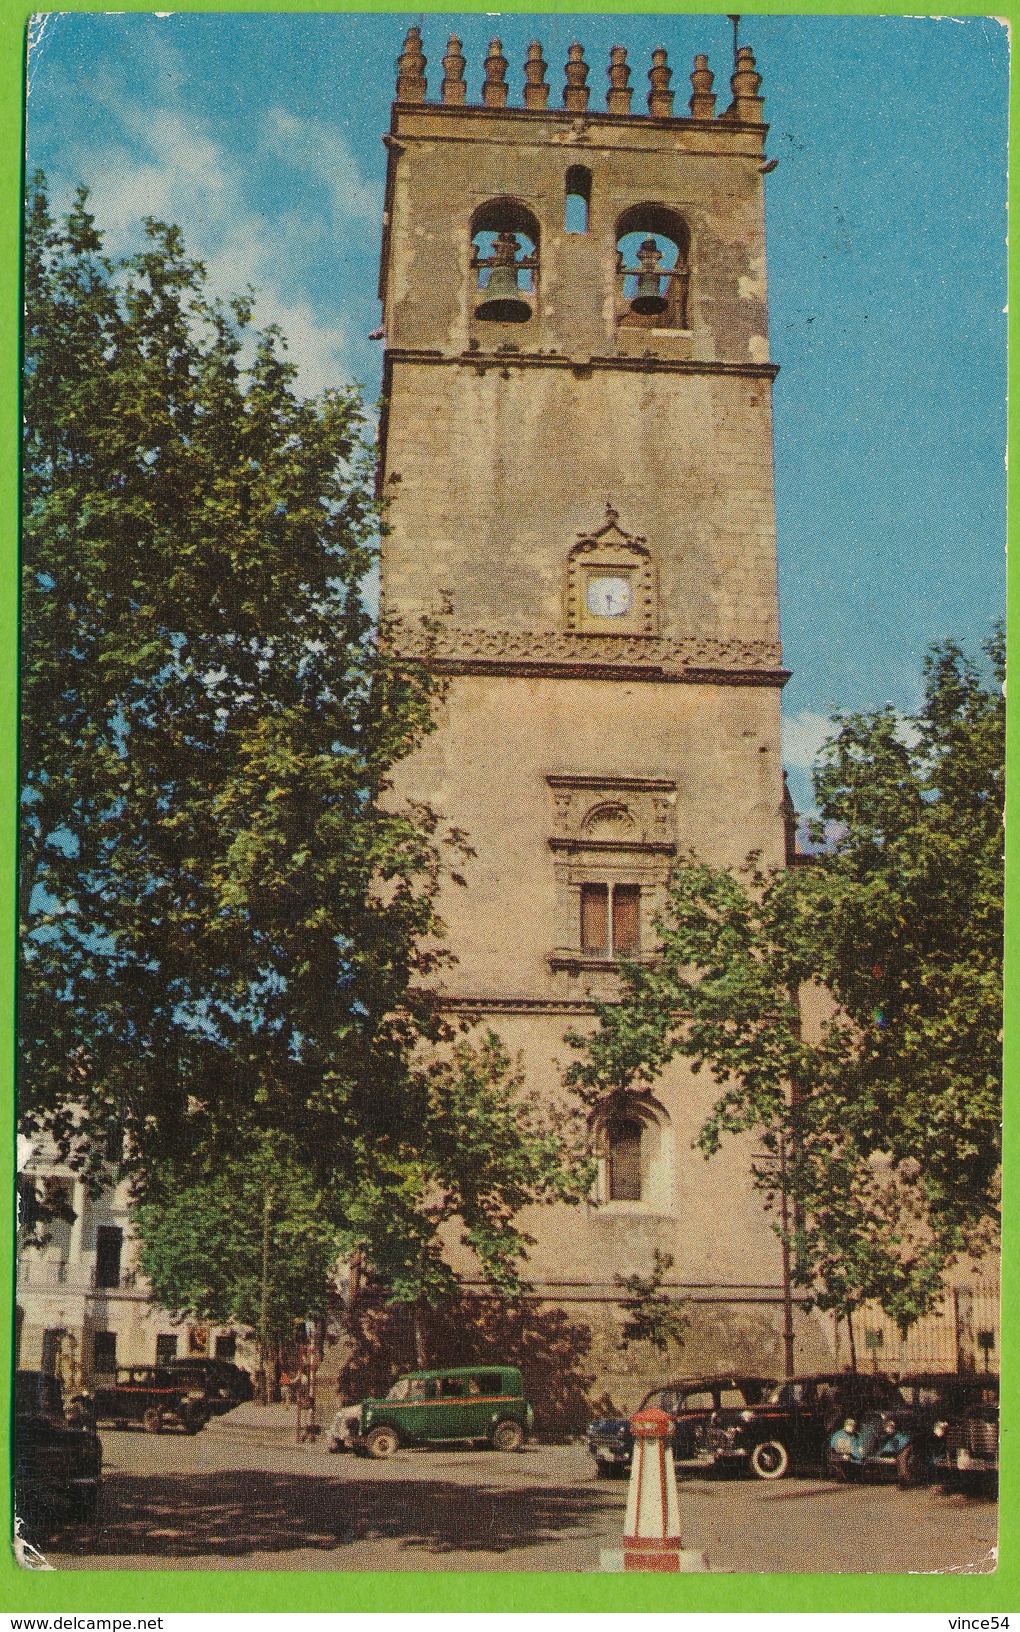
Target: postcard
x=511 y=799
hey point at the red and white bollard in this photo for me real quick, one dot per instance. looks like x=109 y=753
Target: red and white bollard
x=651 y=1529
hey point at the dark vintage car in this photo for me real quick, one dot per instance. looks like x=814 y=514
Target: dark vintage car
x=966 y=1438
x=903 y=1440
x=57 y=1466
x=154 y=1397
x=225 y=1384
x=792 y=1428
x=485 y=1404
x=691 y=1402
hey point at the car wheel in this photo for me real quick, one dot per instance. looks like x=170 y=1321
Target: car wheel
x=381 y=1443
x=152 y=1421
x=192 y=1421
x=909 y=1467
x=770 y=1459
x=334 y=1446
x=507 y=1436
x=836 y=1469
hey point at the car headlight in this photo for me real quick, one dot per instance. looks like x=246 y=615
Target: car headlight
x=195 y=1394
x=850 y=1425
x=747 y=1416
x=888 y=1423
x=939 y=1430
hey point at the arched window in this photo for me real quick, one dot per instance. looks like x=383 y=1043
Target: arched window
x=634 y=1145
x=578 y=198
x=623 y=1159
x=652 y=268
x=504 y=259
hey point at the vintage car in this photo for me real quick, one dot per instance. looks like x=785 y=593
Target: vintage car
x=226 y=1385
x=58 y=1467
x=155 y=1397
x=483 y=1404
x=903 y=1439
x=792 y=1428
x=691 y=1402
x=966 y=1438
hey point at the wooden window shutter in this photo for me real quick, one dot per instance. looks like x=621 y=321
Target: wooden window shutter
x=595 y=918
x=626 y=918
x=623 y=1138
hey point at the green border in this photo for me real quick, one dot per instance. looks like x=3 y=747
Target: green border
x=109 y=1591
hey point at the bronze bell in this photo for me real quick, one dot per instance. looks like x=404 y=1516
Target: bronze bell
x=648 y=300
x=502 y=301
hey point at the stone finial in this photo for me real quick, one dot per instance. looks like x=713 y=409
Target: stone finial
x=619 y=93
x=454 y=63
x=746 y=82
x=494 y=90
x=536 y=91
x=702 y=103
x=660 y=97
x=411 y=85
x=575 y=92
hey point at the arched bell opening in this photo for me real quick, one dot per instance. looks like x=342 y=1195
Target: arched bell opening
x=504 y=260
x=577 y=203
x=652 y=268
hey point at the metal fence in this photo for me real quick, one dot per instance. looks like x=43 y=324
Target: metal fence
x=961 y=1335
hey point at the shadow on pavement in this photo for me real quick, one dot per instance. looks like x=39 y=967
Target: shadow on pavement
x=261 y=1512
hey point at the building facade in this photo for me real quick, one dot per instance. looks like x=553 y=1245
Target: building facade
x=83 y=1305
x=577 y=473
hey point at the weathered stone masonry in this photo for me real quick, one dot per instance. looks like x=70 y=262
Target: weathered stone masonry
x=577 y=469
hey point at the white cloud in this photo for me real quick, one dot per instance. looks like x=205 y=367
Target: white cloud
x=317 y=148
x=802 y=736
x=169 y=164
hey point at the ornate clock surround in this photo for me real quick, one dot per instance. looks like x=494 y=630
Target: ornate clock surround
x=611 y=552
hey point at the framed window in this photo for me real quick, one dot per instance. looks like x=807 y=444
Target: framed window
x=104 y=1353
x=623 y=1159
x=610 y=919
x=109 y=1242
x=226 y=1346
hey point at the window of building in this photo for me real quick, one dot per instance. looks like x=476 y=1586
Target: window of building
x=109 y=1244
x=610 y=919
x=226 y=1346
x=623 y=1159
x=166 y=1348
x=104 y=1352
x=578 y=198
x=504 y=258
x=652 y=268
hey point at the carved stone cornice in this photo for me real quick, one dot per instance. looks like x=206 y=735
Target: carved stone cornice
x=563 y=653
x=482 y=361
x=481 y=1005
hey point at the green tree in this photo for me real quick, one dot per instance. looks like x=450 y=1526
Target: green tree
x=652 y=1314
x=247 y=1241
x=227 y=916
x=880 y=1125
x=483 y=1151
x=224 y=920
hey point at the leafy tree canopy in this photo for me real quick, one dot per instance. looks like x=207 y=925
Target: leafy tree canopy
x=222 y=924
x=882 y=1120
x=227 y=916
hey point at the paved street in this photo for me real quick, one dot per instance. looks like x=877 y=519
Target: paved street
x=242 y=1495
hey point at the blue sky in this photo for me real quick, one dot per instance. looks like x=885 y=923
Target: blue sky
x=259 y=135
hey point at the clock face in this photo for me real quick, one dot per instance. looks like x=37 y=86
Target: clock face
x=608 y=597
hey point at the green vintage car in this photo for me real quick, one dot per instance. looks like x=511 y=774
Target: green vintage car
x=482 y=1404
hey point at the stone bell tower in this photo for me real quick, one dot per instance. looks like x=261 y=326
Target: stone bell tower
x=577 y=469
